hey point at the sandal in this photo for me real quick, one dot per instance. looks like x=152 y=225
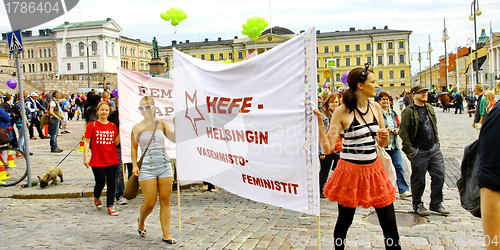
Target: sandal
x=169 y=241
x=143 y=232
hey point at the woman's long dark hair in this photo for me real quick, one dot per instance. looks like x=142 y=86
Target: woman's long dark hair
x=355 y=76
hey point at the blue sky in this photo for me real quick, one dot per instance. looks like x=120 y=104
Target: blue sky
x=223 y=18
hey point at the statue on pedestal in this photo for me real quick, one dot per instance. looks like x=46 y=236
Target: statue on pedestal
x=155 y=48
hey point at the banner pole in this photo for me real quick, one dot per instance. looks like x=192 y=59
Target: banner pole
x=319 y=235
x=178 y=197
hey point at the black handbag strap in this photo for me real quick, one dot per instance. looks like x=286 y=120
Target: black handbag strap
x=149 y=143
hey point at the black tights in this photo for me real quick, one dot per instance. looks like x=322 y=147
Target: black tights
x=102 y=175
x=386 y=218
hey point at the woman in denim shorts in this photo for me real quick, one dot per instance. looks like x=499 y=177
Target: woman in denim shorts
x=155 y=174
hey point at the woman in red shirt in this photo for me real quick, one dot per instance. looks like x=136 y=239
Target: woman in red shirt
x=102 y=136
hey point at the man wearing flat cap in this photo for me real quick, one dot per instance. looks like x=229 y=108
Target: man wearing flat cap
x=421 y=145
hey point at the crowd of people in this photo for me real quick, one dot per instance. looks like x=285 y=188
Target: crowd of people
x=350 y=126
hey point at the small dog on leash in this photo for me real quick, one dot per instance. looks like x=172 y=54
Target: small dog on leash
x=51 y=174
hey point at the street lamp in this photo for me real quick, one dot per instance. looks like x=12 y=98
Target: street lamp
x=445 y=37
x=475 y=11
x=88 y=63
x=419 y=64
x=429 y=50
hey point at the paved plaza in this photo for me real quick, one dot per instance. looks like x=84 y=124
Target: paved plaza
x=63 y=216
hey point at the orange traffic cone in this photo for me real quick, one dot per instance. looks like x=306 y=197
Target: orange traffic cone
x=10 y=160
x=80 y=149
x=3 y=174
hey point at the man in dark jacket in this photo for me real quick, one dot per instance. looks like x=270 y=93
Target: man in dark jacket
x=488 y=176
x=421 y=144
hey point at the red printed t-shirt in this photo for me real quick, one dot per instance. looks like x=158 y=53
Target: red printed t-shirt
x=102 y=144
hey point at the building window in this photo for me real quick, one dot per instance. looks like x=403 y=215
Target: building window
x=317 y=63
x=68 y=50
x=81 y=49
x=231 y=56
x=327 y=79
x=202 y=57
x=40 y=53
x=94 y=47
x=391 y=74
x=45 y=68
x=141 y=66
x=133 y=66
x=389 y=45
x=369 y=60
x=212 y=57
x=337 y=77
x=381 y=75
x=391 y=85
x=358 y=47
x=348 y=61
x=402 y=84
x=379 y=61
x=50 y=54
x=68 y=65
x=347 y=48
x=106 y=48
x=24 y=68
x=391 y=59
x=41 y=67
x=29 y=67
x=401 y=58
x=50 y=66
x=402 y=74
x=132 y=52
x=336 y=48
x=44 y=52
x=22 y=55
x=379 y=46
x=327 y=50
x=358 y=61
x=221 y=56
x=240 y=54
x=81 y=65
x=337 y=62
x=368 y=46
x=94 y=65
x=401 y=45
x=112 y=49
x=317 y=75
x=317 y=52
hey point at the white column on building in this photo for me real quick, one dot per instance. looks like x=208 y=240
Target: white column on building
x=374 y=49
x=102 y=55
x=407 y=52
x=396 y=54
x=497 y=57
x=384 y=45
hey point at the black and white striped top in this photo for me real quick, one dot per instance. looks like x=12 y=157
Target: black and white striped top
x=358 y=142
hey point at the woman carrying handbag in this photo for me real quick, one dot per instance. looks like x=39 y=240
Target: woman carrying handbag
x=155 y=174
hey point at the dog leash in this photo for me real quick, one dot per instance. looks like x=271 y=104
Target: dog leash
x=68 y=154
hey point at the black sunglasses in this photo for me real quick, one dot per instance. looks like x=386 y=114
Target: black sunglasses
x=364 y=73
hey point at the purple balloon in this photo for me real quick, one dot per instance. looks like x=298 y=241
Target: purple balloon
x=344 y=77
x=148 y=74
x=12 y=83
x=115 y=92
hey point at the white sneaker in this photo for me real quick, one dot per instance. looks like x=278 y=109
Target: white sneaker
x=405 y=194
x=121 y=201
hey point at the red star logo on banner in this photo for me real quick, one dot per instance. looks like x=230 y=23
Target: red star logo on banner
x=196 y=116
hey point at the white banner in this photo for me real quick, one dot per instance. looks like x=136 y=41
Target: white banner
x=132 y=87
x=248 y=127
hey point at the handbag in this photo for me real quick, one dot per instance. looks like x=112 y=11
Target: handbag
x=384 y=157
x=132 y=185
x=4 y=136
x=470 y=193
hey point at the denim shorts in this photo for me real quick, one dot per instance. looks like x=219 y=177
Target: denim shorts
x=156 y=164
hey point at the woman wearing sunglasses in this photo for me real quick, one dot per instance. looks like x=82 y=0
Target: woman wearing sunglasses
x=155 y=175
x=360 y=178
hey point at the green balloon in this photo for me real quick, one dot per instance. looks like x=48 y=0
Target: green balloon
x=245 y=26
x=180 y=10
x=175 y=22
x=260 y=26
x=251 y=22
x=259 y=33
x=255 y=38
x=170 y=12
x=266 y=24
x=244 y=32
x=228 y=61
x=163 y=16
x=173 y=16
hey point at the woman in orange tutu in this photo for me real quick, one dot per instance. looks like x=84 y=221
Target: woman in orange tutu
x=360 y=178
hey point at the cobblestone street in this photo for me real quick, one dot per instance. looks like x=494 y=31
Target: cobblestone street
x=223 y=220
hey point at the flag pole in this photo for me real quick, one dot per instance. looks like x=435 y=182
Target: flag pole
x=178 y=196
x=319 y=234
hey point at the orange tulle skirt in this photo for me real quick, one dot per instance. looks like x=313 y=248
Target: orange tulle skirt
x=353 y=185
